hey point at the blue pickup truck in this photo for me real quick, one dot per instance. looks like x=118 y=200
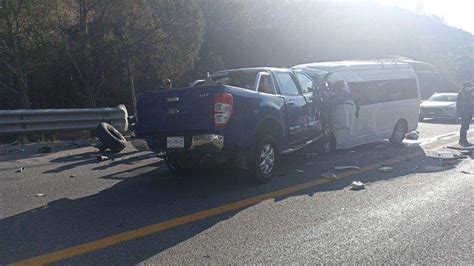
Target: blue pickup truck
x=248 y=117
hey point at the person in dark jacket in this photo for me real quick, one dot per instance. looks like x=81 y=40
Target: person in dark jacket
x=465 y=108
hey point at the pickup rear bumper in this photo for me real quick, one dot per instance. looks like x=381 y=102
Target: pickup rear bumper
x=205 y=143
x=203 y=148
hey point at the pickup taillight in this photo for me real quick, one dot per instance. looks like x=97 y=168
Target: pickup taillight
x=223 y=105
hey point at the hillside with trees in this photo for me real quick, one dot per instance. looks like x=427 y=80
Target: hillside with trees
x=88 y=53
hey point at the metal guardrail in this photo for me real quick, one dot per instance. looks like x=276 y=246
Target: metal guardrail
x=40 y=120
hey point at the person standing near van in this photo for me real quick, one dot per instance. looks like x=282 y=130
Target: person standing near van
x=465 y=108
x=340 y=94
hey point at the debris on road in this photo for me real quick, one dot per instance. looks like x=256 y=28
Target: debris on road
x=414 y=135
x=385 y=169
x=445 y=154
x=468 y=172
x=39 y=195
x=462 y=148
x=102 y=158
x=72 y=176
x=329 y=176
x=357 y=185
x=45 y=149
x=20 y=170
x=347 y=167
x=299 y=171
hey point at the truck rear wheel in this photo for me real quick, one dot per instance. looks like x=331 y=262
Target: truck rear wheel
x=265 y=158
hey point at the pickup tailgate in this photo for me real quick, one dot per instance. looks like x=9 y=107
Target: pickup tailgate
x=178 y=110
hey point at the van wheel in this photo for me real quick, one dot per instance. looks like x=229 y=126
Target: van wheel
x=265 y=158
x=399 y=132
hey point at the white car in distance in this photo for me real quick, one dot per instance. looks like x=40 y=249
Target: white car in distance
x=439 y=105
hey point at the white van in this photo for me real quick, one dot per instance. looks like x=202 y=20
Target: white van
x=387 y=91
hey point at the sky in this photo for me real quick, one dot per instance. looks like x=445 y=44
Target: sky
x=455 y=13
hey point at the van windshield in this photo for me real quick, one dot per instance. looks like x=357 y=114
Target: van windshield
x=443 y=98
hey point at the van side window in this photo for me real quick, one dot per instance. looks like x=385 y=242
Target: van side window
x=266 y=85
x=287 y=84
x=372 y=92
x=366 y=92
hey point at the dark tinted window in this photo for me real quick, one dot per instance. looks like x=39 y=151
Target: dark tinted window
x=380 y=91
x=287 y=84
x=266 y=85
x=306 y=83
x=240 y=79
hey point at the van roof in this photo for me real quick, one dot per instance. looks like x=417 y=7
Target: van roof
x=356 y=65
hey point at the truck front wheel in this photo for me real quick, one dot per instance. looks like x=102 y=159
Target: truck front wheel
x=265 y=158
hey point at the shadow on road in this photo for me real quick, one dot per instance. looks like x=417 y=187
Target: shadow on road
x=75 y=160
x=152 y=197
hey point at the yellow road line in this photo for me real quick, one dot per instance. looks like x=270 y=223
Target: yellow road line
x=159 y=227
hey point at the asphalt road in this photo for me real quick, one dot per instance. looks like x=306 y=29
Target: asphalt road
x=67 y=208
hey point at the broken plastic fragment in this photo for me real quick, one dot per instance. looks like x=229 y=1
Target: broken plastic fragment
x=329 y=175
x=39 y=195
x=414 y=135
x=385 y=169
x=445 y=155
x=346 y=167
x=468 y=172
x=102 y=158
x=357 y=185
x=45 y=149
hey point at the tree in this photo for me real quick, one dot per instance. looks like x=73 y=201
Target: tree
x=83 y=28
x=25 y=35
x=157 y=39
x=150 y=38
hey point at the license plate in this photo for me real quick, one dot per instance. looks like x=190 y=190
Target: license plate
x=174 y=142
